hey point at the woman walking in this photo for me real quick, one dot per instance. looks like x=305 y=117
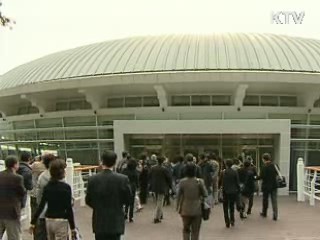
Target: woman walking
x=58 y=198
x=231 y=190
x=191 y=193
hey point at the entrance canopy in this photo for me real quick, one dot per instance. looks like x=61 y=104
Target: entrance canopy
x=280 y=129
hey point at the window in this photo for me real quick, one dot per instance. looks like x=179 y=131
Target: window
x=221 y=100
x=288 y=101
x=133 y=102
x=251 y=100
x=115 y=102
x=269 y=101
x=27 y=109
x=181 y=101
x=151 y=101
x=62 y=106
x=199 y=100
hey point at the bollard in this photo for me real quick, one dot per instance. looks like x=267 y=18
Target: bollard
x=69 y=173
x=300 y=180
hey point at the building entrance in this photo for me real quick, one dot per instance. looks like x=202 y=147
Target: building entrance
x=223 y=145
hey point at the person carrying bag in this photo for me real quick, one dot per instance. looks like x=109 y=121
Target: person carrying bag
x=190 y=204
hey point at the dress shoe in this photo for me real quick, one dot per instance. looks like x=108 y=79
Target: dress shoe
x=156 y=221
x=232 y=224
x=263 y=215
x=227 y=225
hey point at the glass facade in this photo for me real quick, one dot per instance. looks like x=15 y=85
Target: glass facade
x=84 y=137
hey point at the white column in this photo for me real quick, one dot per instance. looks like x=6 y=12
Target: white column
x=118 y=139
x=2 y=165
x=300 y=180
x=69 y=172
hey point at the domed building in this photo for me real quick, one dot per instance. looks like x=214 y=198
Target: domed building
x=231 y=94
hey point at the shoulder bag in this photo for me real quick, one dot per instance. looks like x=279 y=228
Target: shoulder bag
x=205 y=208
x=281 y=180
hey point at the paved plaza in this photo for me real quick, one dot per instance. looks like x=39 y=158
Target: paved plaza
x=298 y=221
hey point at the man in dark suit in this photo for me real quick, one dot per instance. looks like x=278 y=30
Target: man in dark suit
x=231 y=190
x=12 y=192
x=25 y=171
x=107 y=193
x=268 y=175
x=161 y=182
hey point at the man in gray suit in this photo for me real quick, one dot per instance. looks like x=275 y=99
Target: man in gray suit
x=191 y=193
x=161 y=182
x=107 y=193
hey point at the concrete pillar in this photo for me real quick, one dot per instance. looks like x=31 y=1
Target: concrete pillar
x=300 y=180
x=70 y=172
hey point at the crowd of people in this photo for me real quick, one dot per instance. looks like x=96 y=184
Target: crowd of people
x=122 y=188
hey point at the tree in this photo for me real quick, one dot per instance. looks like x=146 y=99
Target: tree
x=5 y=21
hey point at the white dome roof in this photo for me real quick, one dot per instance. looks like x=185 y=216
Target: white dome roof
x=228 y=51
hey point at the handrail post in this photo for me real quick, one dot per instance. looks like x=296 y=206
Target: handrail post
x=313 y=188
x=300 y=180
x=82 y=194
x=70 y=173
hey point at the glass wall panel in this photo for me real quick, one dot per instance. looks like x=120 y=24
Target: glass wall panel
x=251 y=100
x=314 y=133
x=83 y=134
x=315 y=119
x=151 y=101
x=24 y=124
x=79 y=121
x=51 y=135
x=115 y=102
x=106 y=134
x=298 y=132
x=221 y=100
x=200 y=100
x=288 y=101
x=269 y=101
x=133 y=102
x=49 y=123
x=181 y=100
x=62 y=106
x=25 y=136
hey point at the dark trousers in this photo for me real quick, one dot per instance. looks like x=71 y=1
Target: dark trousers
x=191 y=227
x=130 y=208
x=143 y=195
x=229 y=201
x=33 y=205
x=40 y=232
x=274 y=201
x=250 y=202
x=107 y=237
x=166 y=201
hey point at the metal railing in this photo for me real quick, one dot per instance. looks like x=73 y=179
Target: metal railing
x=308 y=183
x=77 y=177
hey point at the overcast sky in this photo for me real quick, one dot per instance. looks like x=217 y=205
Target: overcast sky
x=47 y=26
